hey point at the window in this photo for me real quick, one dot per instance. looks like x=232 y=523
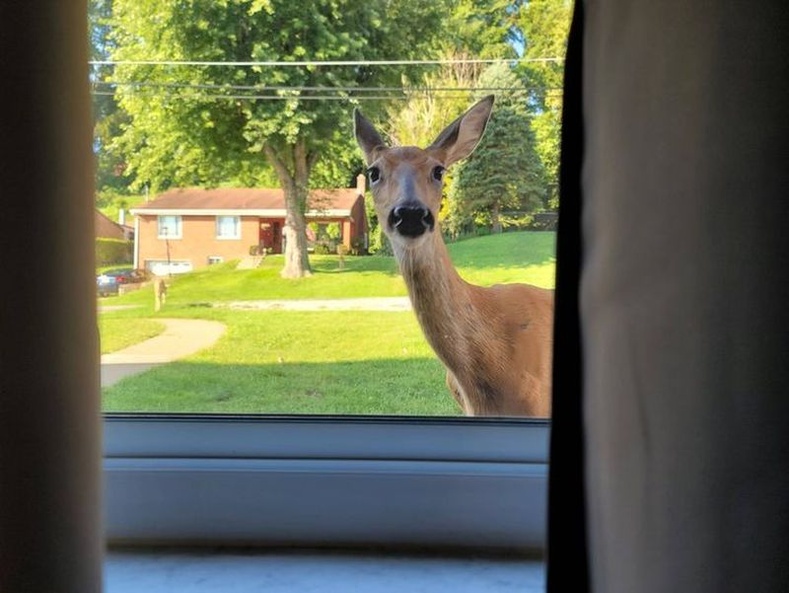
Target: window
x=167 y=268
x=228 y=227
x=168 y=226
x=239 y=443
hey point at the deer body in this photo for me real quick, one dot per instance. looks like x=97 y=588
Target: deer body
x=495 y=342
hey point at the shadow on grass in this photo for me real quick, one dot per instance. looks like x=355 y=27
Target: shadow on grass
x=413 y=386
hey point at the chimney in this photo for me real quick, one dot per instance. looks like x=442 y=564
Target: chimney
x=122 y=217
x=360 y=184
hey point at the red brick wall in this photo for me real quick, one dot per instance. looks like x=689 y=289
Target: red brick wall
x=198 y=241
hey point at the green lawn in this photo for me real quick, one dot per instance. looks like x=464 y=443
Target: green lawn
x=511 y=257
x=117 y=334
x=281 y=362
x=298 y=363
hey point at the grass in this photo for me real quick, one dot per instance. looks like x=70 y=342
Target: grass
x=117 y=334
x=511 y=257
x=279 y=362
x=298 y=363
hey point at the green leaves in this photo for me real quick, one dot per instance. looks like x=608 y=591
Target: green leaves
x=222 y=116
x=504 y=174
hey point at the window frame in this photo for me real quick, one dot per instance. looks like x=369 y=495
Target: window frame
x=178 y=226
x=426 y=482
x=237 y=227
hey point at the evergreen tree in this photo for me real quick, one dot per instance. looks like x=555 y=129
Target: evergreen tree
x=503 y=180
x=545 y=27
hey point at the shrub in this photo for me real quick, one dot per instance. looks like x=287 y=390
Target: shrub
x=357 y=246
x=325 y=247
x=110 y=252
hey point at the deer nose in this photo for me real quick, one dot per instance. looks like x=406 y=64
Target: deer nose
x=411 y=220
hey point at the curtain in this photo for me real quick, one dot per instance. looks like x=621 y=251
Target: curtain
x=670 y=439
x=50 y=450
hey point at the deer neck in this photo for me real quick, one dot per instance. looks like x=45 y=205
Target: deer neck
x=440 y=297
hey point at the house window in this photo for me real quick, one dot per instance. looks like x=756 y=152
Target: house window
x=215 y=259
x=169 y=226
x=228 y=227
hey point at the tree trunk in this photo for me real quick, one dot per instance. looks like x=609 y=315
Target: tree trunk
x=297 y=263
x=295 y=183
x=495 y=218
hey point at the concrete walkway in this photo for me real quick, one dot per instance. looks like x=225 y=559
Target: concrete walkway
x=356 y=304
x=181 y=337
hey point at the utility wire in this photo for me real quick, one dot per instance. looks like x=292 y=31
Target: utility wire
x=404 y=96
x=201 y=97
x=176 y=85
x=318 y=63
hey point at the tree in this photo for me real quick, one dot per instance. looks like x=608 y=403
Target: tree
x=197 y=124
x=545 y=26
x=108 y=118
x=484 y=28
x=504 y=173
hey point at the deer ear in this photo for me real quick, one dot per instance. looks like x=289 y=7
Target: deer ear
x=367 y=136
x=460 y=138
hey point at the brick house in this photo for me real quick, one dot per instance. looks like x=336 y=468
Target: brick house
x=186 y=229
x=105 y=228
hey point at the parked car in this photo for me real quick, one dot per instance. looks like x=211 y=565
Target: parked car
x=109 y=281
x=106 y=285
x=122 y=275
x=127 y=275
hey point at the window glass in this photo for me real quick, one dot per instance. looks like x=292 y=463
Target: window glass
x=228 y=227
x=169 y=227
x=244 y=205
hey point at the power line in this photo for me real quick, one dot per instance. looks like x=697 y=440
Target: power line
x=173 y=91
x=278 y=88
x=321 y=63
x=200 y=97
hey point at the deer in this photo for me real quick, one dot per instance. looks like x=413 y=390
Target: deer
x=495 y=342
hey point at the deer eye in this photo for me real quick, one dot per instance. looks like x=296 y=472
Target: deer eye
x=374 y=175
x=438 y=173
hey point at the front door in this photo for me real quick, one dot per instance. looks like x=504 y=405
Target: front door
x=271 y=235
x=276 y=231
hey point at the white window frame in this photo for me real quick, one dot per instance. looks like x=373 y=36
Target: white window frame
x=174 y=267
x=219 y=227
x=178 y=234
x=476 y=483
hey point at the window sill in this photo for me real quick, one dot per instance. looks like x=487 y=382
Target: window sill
x=478 y=484
x=244 y=570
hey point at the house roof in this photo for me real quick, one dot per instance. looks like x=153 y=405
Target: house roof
x=105 y=228
x=246 y=201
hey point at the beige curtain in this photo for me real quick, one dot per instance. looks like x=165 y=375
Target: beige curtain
x=50 y=535
x=670 y=443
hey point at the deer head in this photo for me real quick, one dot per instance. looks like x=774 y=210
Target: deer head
x=407 y=182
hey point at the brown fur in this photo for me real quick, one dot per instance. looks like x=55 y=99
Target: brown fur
x=495 y=342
